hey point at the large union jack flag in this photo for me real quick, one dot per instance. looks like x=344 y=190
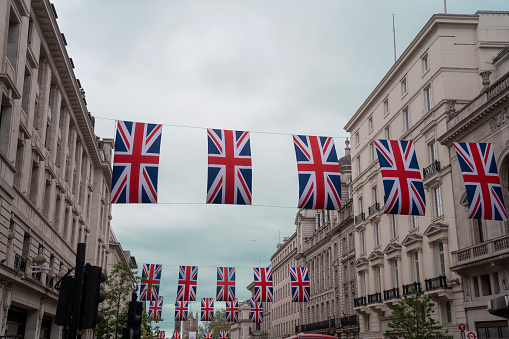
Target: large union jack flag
x=136 y=163
x=263 y=284
x=181 y=310
x=223 y=334
x=207 y=335
x=155 y=309
x=484 y=193
x=404 y=192
x=225 y=284
x=319 y=179
x=188 y=279
x=300 y=284
x=161 y=334
x=150 y=281
x=232 y=311
x=176 y=335
x=207 y=309
x=256 y=314
x=229 y=173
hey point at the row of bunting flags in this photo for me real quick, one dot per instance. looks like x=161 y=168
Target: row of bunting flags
x=206 y=335
x=229 y=181
x=188 y=281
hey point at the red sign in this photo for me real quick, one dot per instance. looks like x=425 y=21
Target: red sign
x=471 y=335
x=462 y=327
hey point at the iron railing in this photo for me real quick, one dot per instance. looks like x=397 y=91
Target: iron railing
x=393 y=293
x=373 y=208
x=349 y=320
x=411 y=288
x=436 y=283
x=320 y=325
x=431 y=169
x=359 y=218
x=36 y=276
x=375 y=298
x=20 y=263
x=49 y=281
x=360 y=301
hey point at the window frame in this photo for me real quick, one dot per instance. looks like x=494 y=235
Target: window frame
x=436 y=194
x=406 y=119
x=428 y=103
x=404 y=87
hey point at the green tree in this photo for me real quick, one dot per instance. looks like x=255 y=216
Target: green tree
x=219 y=324
x=149 y=327
x=412 y=319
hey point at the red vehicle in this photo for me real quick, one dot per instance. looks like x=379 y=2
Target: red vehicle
x=311 y=336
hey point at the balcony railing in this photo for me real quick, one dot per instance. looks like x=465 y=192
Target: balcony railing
x=49 y=281
x=393 y=293
x=320 y=325
x=360 y=301
x=498 y=86
x=431 y=169
x=436 y=283
x=373 y=208
x=411 y=288
x=359 y=218
x=36 y=276
x=20 y=263
x=481 y=251
x=349 y=320
x=375 y=298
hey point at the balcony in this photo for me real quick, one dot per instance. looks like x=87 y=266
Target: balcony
x=431 y=169
x=393 y=293
x=36 y=276
x=320 y=325
x=488 y=249
x=373 y=208
x=411 y=288
x=359 y=218
x=349 y=320
x=436 y=283
x=375 y=298
x=20 y=263
x=49 y=281
x=360 y=301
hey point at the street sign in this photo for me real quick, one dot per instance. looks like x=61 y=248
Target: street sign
x=471 y=335
x=462 y=327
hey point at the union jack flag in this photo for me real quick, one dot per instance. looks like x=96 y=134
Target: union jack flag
x=229 y=173
x=181 y=310
x=484 y=193
x=404 y=192
x=318 y=168
x=161 y=334
x=232 y=311
x=150 y=281
x=223 y=334
x=256 y=311
x=155 y=309
x=225 y=284
x=300 y=284
x=188 y=278
x=263 y=284
x=176 y=335
x=207 y=335
x=136 y=163
x=207 y=309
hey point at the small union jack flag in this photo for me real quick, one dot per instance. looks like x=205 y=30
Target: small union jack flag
x=207 y=335
x=223 y=334
x=188 y=279
x=136 y=163
x=161 y=334
x=484 y=193
x=232 y=311
x=404 y=192
x=207 y=309
x=300 y=284
x=263 y=284
x=176 y=335
x=229 y=173
x=155 y=309
x=256 y=311
x=181 y=310
x=318 y=168
x=150 y=281
x=225 y=284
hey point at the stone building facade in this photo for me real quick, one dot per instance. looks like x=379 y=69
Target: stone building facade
x=395 y=254
x=55 y=174
x=482 y=257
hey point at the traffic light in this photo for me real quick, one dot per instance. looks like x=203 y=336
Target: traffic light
x=134 y=318
x=62 y=316
x=92 y=296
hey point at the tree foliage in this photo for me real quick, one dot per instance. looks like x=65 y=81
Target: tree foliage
x=413 y=319
x=219 y=324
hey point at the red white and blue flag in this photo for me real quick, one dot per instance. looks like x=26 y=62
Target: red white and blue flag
x=161 y=334
x=155 y=309
x=263 y=284
x=229 y=172
x=207 y=335
x=299 y=281
x=256 y=314
x=484 y=193
x=232 y=311
x=225 y=284
x=318 y=168
x=150 y=281
x=176 y=335
x=136 y=163
x=188 y=279
x=207 y=309
x=404 y=192
x=181 y=310
x=223 y=334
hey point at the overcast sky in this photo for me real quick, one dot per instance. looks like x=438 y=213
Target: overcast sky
x=283 y=67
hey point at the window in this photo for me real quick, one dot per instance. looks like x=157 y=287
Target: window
x=378 y=279
x=395 y=273
x=370 y=123
x=427 y=98
x=367 y=327
x=406 y=119
x=432 y=151
x=478 y=231
x=394 y=226
x=358 y=165
x=377 y=234
x=437 y=201
x=387 y=133
x=363 y=242
x=441 y=259
x=357 y=140
x=373 y=193
x=360 y=205
x=425 y=63
x=386 y=106
x=416 y=267
x=403 y=86
x=447 y=312
x=414 y=222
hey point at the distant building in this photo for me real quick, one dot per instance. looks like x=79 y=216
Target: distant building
x=190 y=325
x=242 y=329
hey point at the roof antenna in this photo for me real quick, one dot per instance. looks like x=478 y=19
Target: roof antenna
x=394 y=37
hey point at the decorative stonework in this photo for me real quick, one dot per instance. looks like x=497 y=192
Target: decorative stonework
x=499 y=120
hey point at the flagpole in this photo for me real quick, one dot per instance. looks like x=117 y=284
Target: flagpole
x=394 y=37
x=445 y=6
